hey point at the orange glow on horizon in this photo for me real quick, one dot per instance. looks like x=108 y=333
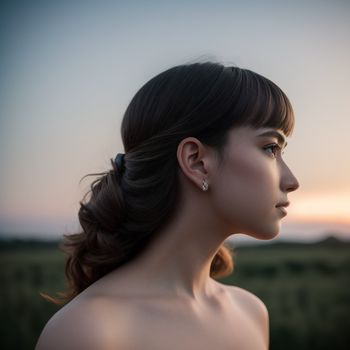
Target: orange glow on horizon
x=323 y=208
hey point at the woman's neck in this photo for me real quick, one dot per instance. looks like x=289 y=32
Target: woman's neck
x=177 y=262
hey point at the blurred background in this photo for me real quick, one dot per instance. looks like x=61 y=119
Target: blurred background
x=68 y=71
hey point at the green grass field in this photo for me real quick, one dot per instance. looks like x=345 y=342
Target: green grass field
x=306 y=289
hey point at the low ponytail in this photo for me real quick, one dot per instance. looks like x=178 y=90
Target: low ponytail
x=96 y=250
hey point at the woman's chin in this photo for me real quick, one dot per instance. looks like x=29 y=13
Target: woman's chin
x=264 y=234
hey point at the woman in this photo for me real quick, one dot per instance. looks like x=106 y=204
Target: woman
x=203 y=146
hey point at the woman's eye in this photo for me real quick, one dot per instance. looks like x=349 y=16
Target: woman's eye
x=275 y=148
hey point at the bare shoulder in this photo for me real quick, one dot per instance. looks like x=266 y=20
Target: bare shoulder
x=254 y=308
x=249 y=302
x=85 y=324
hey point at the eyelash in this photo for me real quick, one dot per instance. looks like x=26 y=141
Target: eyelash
x=274 y=146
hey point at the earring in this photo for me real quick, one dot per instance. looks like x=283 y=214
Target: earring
x=205 y=185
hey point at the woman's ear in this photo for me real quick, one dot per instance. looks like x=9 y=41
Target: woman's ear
x=193 y=158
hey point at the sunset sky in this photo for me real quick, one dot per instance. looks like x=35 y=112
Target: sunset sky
x=68 y=71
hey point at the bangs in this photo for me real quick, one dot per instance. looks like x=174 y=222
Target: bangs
x=268 y=106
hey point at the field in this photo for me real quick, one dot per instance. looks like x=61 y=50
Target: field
x=306 y=289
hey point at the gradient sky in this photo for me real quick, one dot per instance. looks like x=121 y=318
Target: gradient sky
x=69 y=70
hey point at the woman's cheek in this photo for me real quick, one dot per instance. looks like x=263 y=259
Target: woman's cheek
x=245 y=189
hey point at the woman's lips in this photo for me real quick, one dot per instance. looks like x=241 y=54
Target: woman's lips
x=282 y=210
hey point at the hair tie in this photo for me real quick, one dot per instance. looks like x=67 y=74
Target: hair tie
x=119 y=161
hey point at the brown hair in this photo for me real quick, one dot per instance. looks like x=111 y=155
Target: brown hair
x=129 y=203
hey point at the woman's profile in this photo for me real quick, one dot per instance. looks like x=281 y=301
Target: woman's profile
x=203 y=161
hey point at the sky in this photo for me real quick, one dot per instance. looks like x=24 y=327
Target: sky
x=69 y=69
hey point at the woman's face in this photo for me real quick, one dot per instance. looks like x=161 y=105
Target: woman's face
x=250 y=181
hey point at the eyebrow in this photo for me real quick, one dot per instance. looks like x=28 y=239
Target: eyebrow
x=274 y=133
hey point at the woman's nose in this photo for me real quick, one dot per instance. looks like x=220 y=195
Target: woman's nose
x=289 y=182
